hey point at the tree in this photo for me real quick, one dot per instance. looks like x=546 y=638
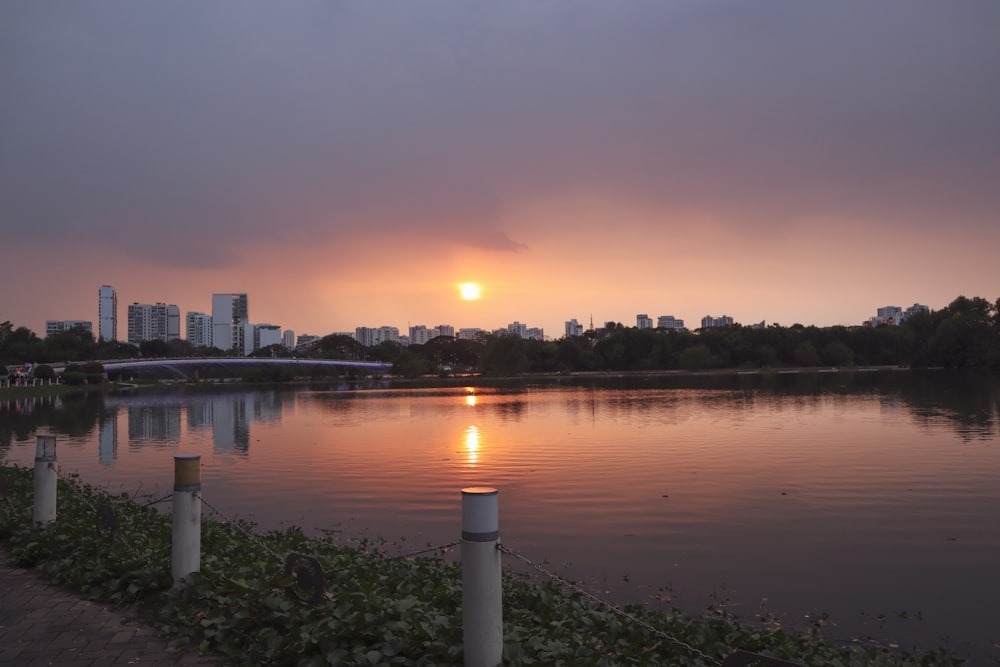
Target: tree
x=698 y=357
x=966 y=336
x=837 y=354
x=505 y=355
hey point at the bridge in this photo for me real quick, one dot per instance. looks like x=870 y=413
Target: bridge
x=185 y=367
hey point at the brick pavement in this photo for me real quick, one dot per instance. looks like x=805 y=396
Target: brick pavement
x=41 y=624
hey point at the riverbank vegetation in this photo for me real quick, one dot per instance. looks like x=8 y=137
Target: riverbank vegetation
x=965 y=334
x=375 y=610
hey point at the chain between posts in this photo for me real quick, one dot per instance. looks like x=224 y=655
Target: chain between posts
x=414 y=554
x=72 y=487
x=610 y=607
x=246 y=533
x=165 y=498
x=71 y=484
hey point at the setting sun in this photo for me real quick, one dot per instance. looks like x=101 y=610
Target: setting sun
x=470 y=291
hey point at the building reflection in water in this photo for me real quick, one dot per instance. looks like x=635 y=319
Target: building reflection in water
x=154 y=425
x=229 y=417
x=108 y=439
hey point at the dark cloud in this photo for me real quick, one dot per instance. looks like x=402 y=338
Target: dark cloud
x=240 y=123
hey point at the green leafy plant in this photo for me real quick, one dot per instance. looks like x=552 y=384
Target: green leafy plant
x=374 y=611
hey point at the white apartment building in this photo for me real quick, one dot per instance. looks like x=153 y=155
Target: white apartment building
x=365 y=336
x=894 y=315
x=265 y=335
x=643 y=321
x=386 y=334
x=709 y=322
x=369 y=337
x=469 y=333
x=230 y=315
x=669 y=322
x=573 y=328
x=288 y=339
x=198 y=329
x=305 y=340
x=58 y=326
x=517 y=329
x=107 y=313
x=157 y=321
x=420 y=334
x=535 y=333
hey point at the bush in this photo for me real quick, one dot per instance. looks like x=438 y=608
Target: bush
x=74 y=378
x=43 y=372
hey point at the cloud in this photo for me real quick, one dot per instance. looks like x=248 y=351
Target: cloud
x=207 y=128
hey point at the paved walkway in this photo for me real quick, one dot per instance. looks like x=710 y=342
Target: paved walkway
x=41 y=624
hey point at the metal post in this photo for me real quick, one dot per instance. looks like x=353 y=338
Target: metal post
x=482 y=599
x=186 y=535
x=44 y=509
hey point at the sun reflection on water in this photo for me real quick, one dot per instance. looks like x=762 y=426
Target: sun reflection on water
x=472 y=444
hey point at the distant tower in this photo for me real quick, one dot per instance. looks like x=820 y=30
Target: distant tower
x=229 y=319
x=153 y=322
x=107 y=313
x=198 y=328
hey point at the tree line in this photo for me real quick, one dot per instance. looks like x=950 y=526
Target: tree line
x=965 y=334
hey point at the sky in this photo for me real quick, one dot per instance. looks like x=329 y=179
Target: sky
x=351 y=163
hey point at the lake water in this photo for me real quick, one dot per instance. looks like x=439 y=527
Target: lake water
x=874 y=497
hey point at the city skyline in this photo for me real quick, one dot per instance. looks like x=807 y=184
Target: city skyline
x=354 y=164
x=230 y=314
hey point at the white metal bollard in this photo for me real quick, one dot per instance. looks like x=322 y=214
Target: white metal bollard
x=482 y=592
x=186 y=536
x=44 y=509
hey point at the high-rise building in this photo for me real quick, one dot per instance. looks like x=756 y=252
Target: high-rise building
x=369 y=337
x=894 y=315
x=288 y=339
x=305 y=341
x=157 y=321
x=643 y=321
x=420 y=334
x=266 y=335
x=535 y=333
x=669 y=322
x=517 y=329
x=58 y=326
x=709 y=322
x=386 y=334
x=198 y=329
x=230 y=315
x=107 y=313
x=365 y=336
x=573 y=328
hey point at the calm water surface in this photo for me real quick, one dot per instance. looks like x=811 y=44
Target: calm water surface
x=872 y=497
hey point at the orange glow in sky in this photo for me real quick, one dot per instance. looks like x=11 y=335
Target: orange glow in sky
x=792 y=171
